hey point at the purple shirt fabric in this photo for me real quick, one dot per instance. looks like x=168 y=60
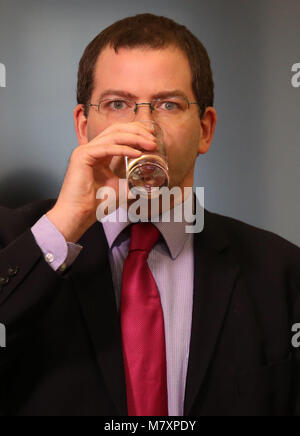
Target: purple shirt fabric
x=171 y=262
x=58 y=253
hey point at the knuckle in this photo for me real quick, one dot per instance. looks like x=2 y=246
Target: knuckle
x=78 y=154
x=75 y=154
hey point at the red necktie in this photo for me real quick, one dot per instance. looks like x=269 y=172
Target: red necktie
x=142 y=325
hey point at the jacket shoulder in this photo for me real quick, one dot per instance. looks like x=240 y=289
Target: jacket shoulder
x=253 y=243
x=14 y=221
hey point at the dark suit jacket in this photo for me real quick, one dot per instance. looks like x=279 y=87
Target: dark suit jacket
x=64 y=354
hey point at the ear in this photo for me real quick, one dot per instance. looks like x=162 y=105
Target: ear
x=208 y=124
x=80 y=122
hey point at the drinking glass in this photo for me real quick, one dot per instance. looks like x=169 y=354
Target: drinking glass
x=149 y=172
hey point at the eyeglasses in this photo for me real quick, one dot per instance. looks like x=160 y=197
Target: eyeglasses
x=115 y=109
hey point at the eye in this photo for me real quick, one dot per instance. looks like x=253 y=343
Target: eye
x=169 y=106
x=116 y=105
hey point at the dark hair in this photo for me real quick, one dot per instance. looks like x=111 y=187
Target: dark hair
x=147 y=30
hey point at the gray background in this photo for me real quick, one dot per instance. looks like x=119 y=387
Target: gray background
x=252 y=170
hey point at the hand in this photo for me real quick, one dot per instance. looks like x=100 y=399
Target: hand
x=89 y=169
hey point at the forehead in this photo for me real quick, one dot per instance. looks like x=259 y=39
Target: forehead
x=143 y=71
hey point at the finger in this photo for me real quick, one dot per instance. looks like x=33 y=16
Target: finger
x=111 y=150
x=126 y=139
x=136 y=128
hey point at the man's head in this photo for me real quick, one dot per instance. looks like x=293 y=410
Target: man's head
x=143 y=56
x=148 y=31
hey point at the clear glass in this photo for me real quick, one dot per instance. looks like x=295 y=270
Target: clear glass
x=149 y=170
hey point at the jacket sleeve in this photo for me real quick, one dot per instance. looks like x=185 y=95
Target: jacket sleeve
x=27 y=286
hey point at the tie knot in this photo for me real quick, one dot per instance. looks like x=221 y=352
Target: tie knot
x=143 y=236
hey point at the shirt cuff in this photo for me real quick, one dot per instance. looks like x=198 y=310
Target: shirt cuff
x=58 y=253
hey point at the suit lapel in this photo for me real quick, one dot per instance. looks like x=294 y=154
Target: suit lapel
x=91 y=276
x=215 y=273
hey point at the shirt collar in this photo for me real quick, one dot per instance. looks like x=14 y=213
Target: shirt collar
x=173 y=232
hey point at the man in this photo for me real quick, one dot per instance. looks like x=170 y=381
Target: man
x=144 y=319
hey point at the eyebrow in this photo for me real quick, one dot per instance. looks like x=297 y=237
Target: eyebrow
x=125 y=94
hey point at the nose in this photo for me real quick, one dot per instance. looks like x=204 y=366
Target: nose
x=143 y=111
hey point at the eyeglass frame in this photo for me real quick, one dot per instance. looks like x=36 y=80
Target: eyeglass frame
x=140 y=104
